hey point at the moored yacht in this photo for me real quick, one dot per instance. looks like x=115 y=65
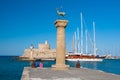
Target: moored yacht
x=77 y=46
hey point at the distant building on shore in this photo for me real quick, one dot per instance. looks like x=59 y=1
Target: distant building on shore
x=43 y=52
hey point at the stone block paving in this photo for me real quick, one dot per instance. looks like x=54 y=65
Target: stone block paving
x=72 y=74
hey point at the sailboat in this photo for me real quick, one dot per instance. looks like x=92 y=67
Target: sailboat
x=77 y=47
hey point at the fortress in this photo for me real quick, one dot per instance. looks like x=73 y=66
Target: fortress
x=43 y=52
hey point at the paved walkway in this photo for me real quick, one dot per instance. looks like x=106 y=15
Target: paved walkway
x=72 y=74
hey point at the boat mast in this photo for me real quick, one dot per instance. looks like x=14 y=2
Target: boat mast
x=81 y=33
x=78 y=41
x=94 y=38
x=75 y=43
x=86 y=41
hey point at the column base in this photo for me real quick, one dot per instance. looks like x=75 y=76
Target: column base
x=60 y=67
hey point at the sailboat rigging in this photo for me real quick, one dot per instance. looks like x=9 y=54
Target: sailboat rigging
x=78 y=53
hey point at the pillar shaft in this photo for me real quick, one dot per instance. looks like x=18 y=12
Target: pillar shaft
x=60 y=50
x=60 y=45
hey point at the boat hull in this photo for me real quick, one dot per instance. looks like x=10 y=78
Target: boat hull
x=85 y=60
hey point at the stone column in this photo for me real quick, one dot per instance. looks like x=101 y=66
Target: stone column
x=60 y=46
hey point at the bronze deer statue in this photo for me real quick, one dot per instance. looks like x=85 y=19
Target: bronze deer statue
x=60 y=13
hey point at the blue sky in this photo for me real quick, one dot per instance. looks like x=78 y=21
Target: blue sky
x=23 y=22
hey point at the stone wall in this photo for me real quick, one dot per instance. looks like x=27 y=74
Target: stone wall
x=43 y=51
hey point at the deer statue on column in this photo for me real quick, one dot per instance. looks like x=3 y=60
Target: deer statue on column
x=60 y=13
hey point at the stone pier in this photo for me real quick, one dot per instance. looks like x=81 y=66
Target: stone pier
x=60 y=46
x=72 y=74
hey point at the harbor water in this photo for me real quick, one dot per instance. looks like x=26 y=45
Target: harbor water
x=11 y=67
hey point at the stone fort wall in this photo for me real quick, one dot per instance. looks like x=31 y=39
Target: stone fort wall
x=43 y=51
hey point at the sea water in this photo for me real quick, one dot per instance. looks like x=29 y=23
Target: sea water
x=11 y=68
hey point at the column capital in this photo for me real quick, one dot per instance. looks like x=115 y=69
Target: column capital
x=61 y=23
